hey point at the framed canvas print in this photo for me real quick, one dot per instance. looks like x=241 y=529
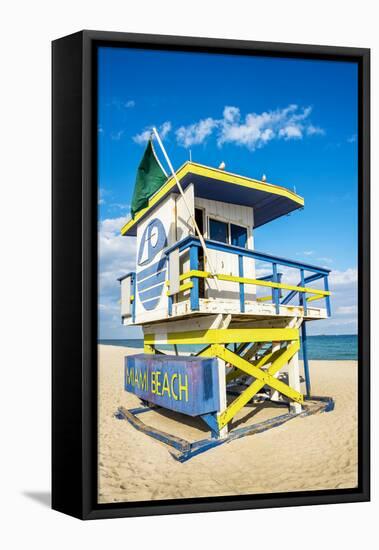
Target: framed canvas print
x=210 y=274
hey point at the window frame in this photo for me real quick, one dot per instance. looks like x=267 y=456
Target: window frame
x=228 y=224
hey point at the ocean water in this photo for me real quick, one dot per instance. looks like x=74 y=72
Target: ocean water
x=328 y=347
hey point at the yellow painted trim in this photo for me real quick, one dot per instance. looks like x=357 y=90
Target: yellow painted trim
x=195 y=273
x=190 y=274
x=219 y=175
x=182 y=288
x=131 y=298
x=186 y=286
x=257 y=282
x=148 y=349
x=227 y=336
x=312 y=298
x=207 y=352
x=243 y=181
x=279 y=359
x=264 y=298
x=266 y=358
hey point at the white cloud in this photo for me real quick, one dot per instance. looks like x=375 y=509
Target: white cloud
x=257 y=129
x=349 y=276
x=164 y=129
x=347 y=310
x=343 y=287
x=196 y=133
x=101 y=194
x=116 y=257
x=116 y=253
x=122 y=103
x=144 y=136
x=254 y=130
x=116 y=136
x=291 y=131
x=119 y=206
x=231 y=113
x=315 y=130
x=261 y=271
x=344 y=299
x=325 y=260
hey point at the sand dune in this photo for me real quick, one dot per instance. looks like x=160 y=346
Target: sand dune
x=317 y=452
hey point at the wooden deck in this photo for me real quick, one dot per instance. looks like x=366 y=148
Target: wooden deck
x=255 y=311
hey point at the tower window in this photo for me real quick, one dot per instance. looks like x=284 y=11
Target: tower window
x=238 y=235
x=218 y=231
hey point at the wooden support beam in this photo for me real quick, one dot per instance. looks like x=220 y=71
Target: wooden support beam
x=222 y=430
x=174 y=271
x=147 y=348
x=294 y=380
x=274 y=394
x=255 y=348
x=279 y=359
x=168 y=439
x=225 y=336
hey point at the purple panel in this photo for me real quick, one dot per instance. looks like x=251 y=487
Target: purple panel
x=185 y=384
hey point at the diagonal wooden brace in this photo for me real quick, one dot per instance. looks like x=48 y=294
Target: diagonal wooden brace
x=267 y=357
x=278 y=360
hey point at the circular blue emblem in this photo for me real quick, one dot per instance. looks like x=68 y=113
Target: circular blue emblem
x=151 y=279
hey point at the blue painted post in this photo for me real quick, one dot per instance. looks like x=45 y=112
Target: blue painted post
x=305 y=359
x=194 y=264
x=302 y=295
x=211 y=420
x=275 y=291
x=280 y=275
x=242 y=286
x=327 y=298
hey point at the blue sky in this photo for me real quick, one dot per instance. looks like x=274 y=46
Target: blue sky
x=293 y=120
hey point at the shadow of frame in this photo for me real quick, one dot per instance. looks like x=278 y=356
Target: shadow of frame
x=41 y=497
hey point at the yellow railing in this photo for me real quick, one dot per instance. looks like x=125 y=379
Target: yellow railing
x=318 y=294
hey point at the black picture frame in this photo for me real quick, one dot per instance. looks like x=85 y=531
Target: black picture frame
x=74 y=272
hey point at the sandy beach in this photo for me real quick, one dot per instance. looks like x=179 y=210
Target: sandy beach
x=317 y=452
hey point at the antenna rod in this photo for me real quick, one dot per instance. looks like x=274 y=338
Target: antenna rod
x=192 y=218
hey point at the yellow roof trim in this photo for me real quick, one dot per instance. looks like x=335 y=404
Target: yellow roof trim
x=216 y=174
x=229 y=177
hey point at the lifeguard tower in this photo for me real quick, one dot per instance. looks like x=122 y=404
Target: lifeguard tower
x=243 y=311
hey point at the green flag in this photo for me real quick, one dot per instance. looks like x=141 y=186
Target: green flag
x=150 y=177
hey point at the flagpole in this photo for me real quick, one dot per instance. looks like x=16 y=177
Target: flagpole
x=192 y=218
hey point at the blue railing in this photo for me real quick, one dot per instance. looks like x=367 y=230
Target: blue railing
x=273 y=280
